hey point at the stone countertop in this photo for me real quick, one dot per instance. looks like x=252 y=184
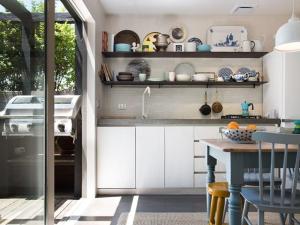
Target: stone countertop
x=182 y=122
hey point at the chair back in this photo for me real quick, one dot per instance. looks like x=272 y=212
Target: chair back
x=286 y=140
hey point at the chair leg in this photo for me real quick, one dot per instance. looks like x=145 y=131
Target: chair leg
x=261 y=217
x=225 y=210
x=291 y=219
x=282 y=218
x=220 y=210
x=213 y=207
x=245 y=213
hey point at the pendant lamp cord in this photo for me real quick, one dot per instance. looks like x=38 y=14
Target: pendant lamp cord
x=293 y=17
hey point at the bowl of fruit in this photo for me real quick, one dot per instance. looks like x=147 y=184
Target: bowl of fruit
x=237 y=134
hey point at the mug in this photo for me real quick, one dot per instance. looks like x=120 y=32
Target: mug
x=190 y=46
x=142 y=76
x=258 y=47
x=248 y=46
x=171 y=76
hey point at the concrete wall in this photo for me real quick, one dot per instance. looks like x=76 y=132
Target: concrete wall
x=184 y=102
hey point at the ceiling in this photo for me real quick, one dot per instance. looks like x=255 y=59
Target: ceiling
x=196 y=7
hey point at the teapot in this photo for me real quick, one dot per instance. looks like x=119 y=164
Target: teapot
x=245 y=108
x=240 y=77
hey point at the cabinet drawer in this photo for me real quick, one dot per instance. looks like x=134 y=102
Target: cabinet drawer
x=200 y=165
x=200 y=180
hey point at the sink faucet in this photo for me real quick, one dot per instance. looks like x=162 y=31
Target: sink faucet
x=147 y=90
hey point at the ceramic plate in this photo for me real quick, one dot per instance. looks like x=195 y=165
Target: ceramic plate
x=178 y=34
x=185 y=68
x=126 y=36
x=226 y=38
x=148 y=42
x=243 y=70
x=225 y=73
x=155 y=79
x=196 y=40
x=138 y=66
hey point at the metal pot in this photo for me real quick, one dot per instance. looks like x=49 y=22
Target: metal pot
x=217 y=106
x=205 y=109
x=162 y=41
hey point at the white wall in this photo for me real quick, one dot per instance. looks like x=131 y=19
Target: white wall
x=184 y=102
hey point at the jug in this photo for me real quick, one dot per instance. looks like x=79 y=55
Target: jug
x=245 y=108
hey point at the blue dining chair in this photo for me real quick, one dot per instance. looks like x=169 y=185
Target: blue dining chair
x=284 y=201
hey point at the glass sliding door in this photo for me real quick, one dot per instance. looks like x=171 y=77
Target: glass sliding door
x=23 y=111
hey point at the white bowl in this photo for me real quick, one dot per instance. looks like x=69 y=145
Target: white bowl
x=183 y=77
x=200 y=77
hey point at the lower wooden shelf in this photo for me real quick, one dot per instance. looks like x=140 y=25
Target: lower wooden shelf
x=251 y=84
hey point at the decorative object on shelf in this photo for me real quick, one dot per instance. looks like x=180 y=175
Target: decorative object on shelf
x=259 y=46
x=135 y=46
x=162 y=42
x=195 y=40
x=248 y=46
x=226 y=38
x=243 y=70
x=138 y=66
x=104 y=41
x=178 y=34
x=288 y=35
x=297 y=127
x=185 y=68
x=203 y=48
x=183 y=77
x=142 y=76
x=171 y=76
x=205 y=109
x=122 y=47
x=178 y=47
x=240 y=77
x=127 y=36
x=240 y=136
x=225 y=73
x=190 y=46
x=201 y=76
x=125 y=76
x=253 y=75
x=111 y=42
x=148 y=42
x=245 y=108
x=217 y=107
x=105 y=73
x=155 y=79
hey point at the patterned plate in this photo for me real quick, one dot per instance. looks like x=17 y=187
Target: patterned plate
x=243 y=70
x=225 y=73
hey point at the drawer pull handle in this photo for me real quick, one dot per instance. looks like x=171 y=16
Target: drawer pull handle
x=197 y=141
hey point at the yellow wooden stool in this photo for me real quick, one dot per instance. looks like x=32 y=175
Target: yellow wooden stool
x=218 y=191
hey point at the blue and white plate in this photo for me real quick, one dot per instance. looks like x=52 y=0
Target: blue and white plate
x=225 y=73
x=243 y=70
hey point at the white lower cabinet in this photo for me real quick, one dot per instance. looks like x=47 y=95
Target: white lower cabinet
x=179 y=157
x=116 y=157
x=201 y=179
x=150 y=157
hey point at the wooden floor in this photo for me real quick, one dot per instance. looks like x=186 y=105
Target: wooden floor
x=105 y=210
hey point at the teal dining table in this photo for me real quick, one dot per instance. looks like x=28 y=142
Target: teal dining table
x=237 y=158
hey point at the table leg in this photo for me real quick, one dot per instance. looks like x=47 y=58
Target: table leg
x=234 y=205
x=211 y=164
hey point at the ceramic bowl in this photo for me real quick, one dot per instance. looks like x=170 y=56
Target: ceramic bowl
x=122 y=47
x=203 y=48
x=200 y=77
x=241 y=136
x=183 y=77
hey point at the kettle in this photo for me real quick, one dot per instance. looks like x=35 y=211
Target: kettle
x=245 y=108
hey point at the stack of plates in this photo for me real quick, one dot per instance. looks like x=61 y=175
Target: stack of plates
x=125 y=76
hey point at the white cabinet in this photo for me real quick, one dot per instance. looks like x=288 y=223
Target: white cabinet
x=179 y=157
x=116 y=157
x=150 y=157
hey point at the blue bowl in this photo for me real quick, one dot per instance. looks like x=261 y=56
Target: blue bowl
x=203 y=48
x=122 y=47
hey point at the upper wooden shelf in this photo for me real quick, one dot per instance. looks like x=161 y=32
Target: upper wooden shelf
x=184 y=54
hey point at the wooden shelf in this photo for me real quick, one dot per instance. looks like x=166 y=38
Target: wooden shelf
x=184 y=83
x=184 y=54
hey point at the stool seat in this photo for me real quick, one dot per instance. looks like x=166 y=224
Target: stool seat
x=218 y=189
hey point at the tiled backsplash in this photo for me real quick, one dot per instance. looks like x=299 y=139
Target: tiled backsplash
x=181 y=102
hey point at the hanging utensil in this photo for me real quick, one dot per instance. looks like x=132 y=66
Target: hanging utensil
x=217 y=107
x=205 y=109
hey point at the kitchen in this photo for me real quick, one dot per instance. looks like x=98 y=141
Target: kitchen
x=175 y=96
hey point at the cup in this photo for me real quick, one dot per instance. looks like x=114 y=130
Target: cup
x=172 y=76
x=248 y=46
x=258 y=47
x=190 y=47
x=142 y=76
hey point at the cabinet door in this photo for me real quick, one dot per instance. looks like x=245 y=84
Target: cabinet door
x=179 y=157
x=116 y=157
x=150 y=157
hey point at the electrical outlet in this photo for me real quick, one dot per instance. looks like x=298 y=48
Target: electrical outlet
x=122 y=106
